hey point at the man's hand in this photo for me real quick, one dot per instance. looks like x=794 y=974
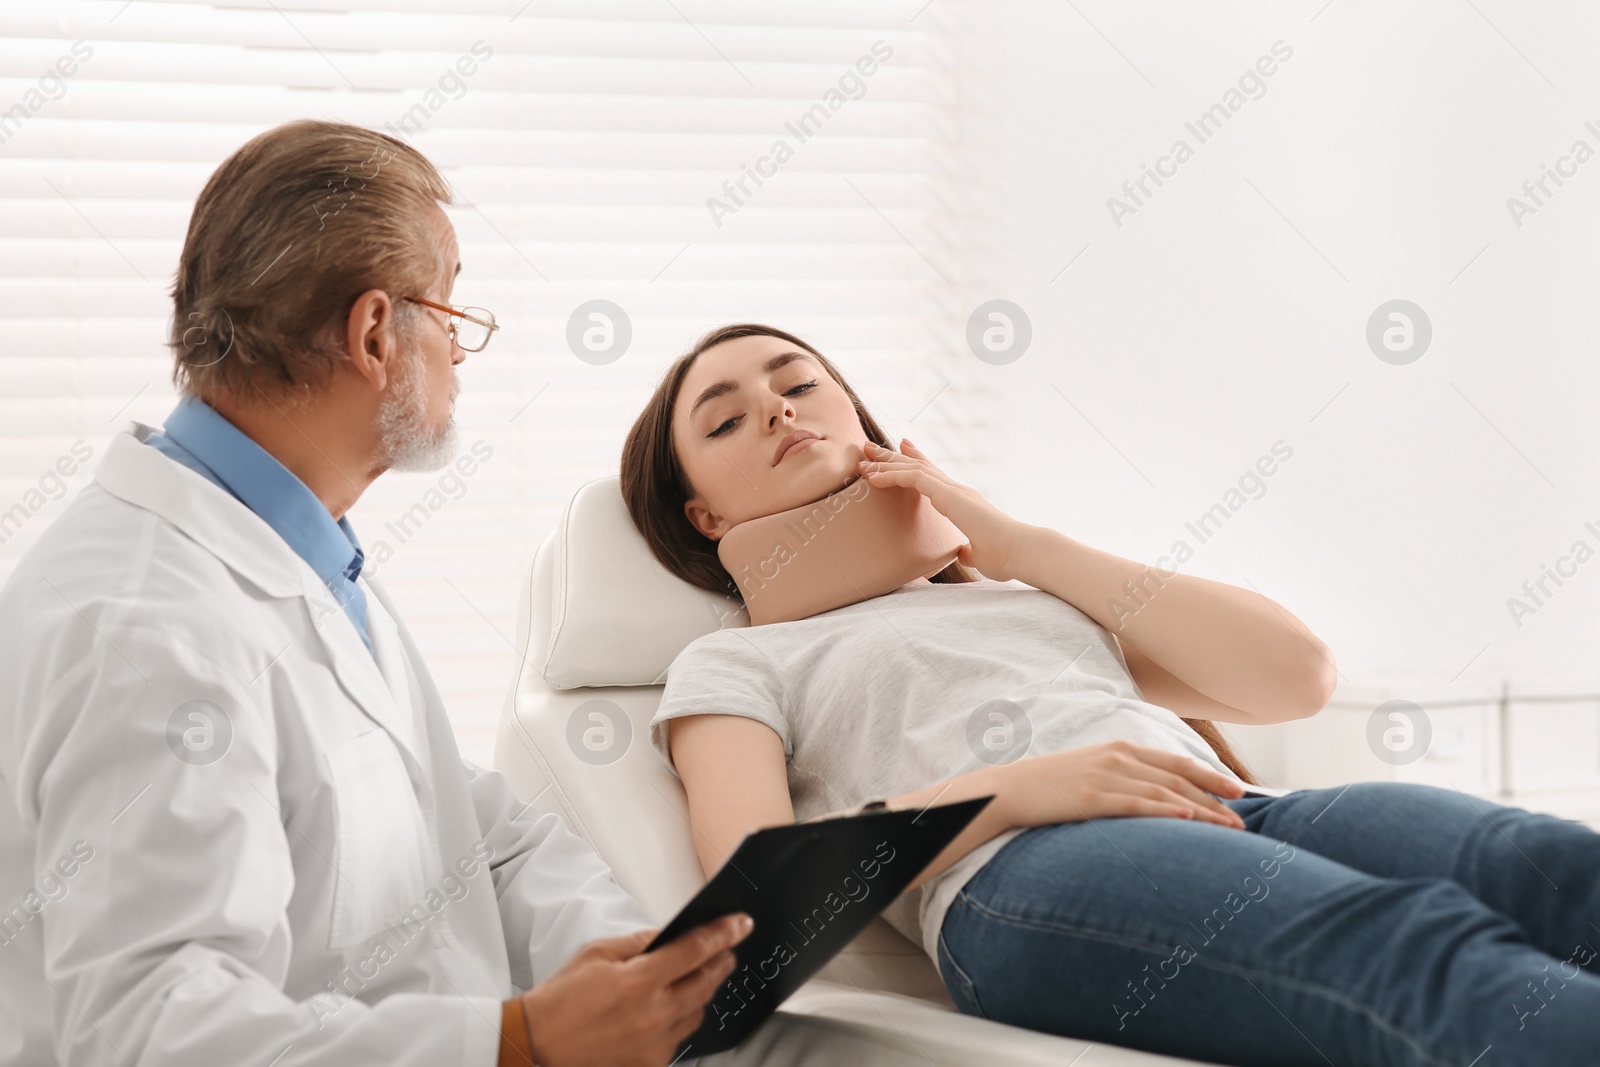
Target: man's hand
x=613 y=1004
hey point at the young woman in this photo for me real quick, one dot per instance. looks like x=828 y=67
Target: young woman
x=1125 y=885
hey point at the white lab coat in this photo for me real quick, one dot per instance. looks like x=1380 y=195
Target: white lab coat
x=218 y=810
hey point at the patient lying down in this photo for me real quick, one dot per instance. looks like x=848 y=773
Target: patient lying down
x=912 y=642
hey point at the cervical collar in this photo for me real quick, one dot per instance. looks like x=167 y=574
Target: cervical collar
x=852 y=545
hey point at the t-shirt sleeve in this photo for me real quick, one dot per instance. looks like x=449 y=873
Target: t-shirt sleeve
x=722 y=673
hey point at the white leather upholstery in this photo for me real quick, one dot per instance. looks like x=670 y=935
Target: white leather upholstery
x=599 y=622
x=613 y=615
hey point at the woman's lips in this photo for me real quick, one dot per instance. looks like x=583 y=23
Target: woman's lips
x=791 y=442
x=804 y=442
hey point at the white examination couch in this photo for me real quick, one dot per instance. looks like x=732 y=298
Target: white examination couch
x=598 y=624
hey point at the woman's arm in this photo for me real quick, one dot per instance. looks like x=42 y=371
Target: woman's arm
x=1214 y=650
x=1160 y=686
x=733 y=772
x=734 y=775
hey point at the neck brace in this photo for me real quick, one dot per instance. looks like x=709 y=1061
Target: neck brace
x=852 y=545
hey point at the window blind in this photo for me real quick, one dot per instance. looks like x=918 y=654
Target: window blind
x=625 y=151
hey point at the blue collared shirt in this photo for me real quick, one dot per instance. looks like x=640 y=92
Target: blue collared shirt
x=211 y=446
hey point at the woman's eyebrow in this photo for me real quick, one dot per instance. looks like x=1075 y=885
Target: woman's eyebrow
x=722 y=388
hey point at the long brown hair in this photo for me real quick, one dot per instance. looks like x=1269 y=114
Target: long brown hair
x=655 y=488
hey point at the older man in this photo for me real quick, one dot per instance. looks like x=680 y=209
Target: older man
x=235 y=827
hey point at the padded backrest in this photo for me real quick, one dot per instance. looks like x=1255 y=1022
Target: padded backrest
x=616 y=616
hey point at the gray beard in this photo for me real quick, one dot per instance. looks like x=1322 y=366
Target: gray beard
x=405 y=440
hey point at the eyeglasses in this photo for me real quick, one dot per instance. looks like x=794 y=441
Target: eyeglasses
x=470 y=328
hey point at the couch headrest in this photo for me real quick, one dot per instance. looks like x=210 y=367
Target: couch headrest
x=613 y=614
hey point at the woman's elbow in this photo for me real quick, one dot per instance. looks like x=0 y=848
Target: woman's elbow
x=1313 y=684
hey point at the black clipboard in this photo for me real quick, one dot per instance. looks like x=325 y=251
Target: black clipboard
x=811 y=888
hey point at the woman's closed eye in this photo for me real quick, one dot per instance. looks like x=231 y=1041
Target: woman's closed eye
x=728 y=424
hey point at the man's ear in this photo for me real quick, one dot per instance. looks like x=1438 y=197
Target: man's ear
x=702 y=519
x=369 y=338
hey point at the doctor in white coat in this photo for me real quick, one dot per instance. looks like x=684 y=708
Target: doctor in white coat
x=234 y=824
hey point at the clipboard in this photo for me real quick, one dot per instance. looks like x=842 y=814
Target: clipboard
x=811 y=888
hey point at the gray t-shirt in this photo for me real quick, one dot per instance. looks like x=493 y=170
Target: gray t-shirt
x=917 y=686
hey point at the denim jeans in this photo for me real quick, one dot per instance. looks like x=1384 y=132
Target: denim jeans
x=1364 y=925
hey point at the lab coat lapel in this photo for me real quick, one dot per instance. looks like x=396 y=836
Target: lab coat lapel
x=435 y=738
x=137 y=473
x=358 y=673
x=401 y=667
x=391 y=662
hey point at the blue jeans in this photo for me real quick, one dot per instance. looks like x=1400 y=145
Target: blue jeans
x=1364 y=925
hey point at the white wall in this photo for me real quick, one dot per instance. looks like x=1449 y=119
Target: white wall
x=1229 y=311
